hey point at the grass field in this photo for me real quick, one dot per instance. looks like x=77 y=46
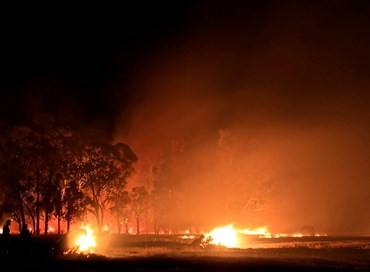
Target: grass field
x=172 y=253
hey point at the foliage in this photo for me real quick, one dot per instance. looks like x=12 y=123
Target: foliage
x=49 y=170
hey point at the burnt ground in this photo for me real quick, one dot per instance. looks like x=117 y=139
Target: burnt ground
x=131 y=253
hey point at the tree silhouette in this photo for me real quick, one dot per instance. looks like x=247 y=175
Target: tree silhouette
x=48 y=170
x=120 y=200
x=106 y=168
x=139 y=204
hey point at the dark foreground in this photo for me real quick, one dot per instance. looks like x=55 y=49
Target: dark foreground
x=167 y=263
x=173 y=256
x=180 y=264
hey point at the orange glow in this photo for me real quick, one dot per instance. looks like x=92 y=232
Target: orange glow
x=86 y=242
x=83 y=241
x=260 y=231
x=51 y=230
x=225 y=236
x=187 y=236
x=231 y=237
x=106 y=228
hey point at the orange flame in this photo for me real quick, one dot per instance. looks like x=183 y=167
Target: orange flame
x=87 y=242
x=230 y=237
x=83 y=241
x=225 y=236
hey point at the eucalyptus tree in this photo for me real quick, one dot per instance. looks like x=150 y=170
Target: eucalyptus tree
x=106 y=168
x=47 y=170
x=31 y=168
x=140 y=202
x=165 y=194
x=120 y=201
x=17 y=169
x=73 y=203
x=69 y=199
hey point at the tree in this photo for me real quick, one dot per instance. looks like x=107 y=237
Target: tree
x=48 y=170
x=49 y=149
x=162 y=196
x=106 y=168
x=18 y=167
x=166 y=193
x=74 y=202
x=245 y=180
x=119 y=207
x=139 y=204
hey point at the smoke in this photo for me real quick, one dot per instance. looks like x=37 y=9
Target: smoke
x=263 y=115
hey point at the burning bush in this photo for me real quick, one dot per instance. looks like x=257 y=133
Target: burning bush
x=75 y=242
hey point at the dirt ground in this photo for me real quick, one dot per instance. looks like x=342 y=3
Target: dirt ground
x=133 y=254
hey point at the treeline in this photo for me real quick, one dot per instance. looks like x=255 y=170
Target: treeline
x=52 y=172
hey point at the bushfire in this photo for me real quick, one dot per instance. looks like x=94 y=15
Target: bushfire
x=81 y=241
x=231 y=237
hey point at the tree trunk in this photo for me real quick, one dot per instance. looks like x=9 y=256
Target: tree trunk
x=68 y=216
x=126 y=225
x=58 y=218
x=37 y=230
x=147 y=221
x=21 y=209
x=46 y=228
x=138 y=225
x=118 y=222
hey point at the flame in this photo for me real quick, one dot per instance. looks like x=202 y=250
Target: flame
x=51 y=230
x=225 y=236
x=260 y=231
x=85 y=241
x=231 y=237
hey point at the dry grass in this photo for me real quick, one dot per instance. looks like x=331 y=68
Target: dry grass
x=172 y=254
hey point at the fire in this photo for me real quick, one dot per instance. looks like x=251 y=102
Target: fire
x=86 y=241
x=231 y=237
x=82 y=241
x=261 y=231
x=225 y=236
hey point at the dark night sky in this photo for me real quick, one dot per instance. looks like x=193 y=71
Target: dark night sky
x=289 y=79
x=86 y=57
x=64 y=58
